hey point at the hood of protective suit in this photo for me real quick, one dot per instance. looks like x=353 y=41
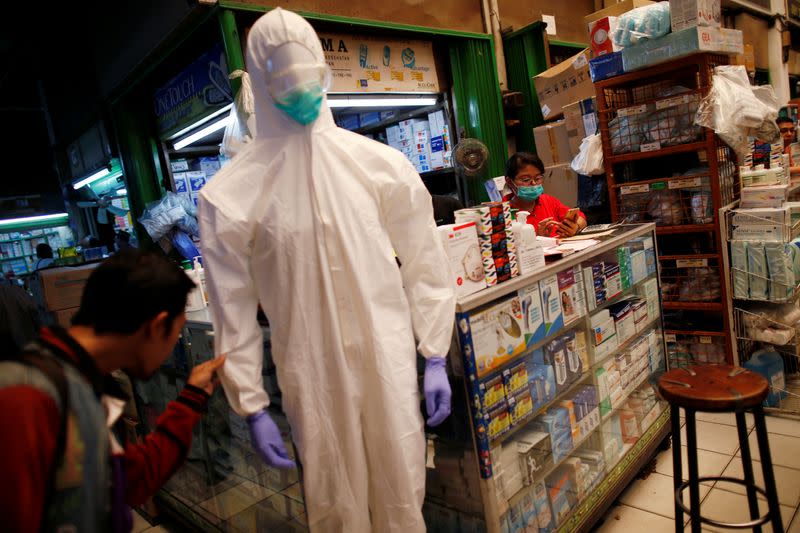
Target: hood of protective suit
x=274 y=29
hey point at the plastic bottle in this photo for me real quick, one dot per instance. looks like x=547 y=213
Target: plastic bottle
x=194 y=300
x=530 y=256
x=201 y=275
x=769 y=364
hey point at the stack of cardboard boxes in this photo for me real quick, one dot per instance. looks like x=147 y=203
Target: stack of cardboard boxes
x=59 y=290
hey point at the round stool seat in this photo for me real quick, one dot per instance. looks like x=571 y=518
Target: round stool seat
x=713 y=388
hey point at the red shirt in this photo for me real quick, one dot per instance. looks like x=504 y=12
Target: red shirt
x=29 y=419
x=546 y=207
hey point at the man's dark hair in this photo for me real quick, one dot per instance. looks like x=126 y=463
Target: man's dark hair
x=130 y=288
x=43 y=251
x=522 y=159
x=783 y=119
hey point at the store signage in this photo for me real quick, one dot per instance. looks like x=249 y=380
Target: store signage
x=685 y=183
x=368 y=64
x=198 y=90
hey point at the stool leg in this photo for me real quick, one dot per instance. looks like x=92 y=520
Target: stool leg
x=766 y=467
x=694 y=484
x=677 y=467
x=747 y=466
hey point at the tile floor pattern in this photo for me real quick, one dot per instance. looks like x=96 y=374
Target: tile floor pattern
x=647 y=505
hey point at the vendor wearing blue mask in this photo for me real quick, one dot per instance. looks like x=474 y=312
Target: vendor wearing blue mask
x=550 y=217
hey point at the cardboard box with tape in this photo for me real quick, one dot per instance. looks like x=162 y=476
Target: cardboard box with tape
x=567 y=82
x=615 y=9
x=580 y=119
x=62 y=287
x=552 y=143
x=562 y=182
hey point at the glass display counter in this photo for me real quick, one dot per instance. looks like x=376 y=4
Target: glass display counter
x=553 y=408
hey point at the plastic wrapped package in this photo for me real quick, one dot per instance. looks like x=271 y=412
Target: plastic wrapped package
x=741 y=284
x=671 y=122
x=735 y=112
x=758 y=276
x=644 y=22
x=589 y=160
x=625 y=133
x=172 y=211
x=781 y=273
x=704 y=353
x=700 y=285
x=664 y=207
x=702 y=211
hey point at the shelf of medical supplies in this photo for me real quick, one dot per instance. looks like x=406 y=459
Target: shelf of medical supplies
x=542 y=409
x=621 y=407
x=693 y=306
x=578 y=323
x=437 y=172
x=685 y=228
x=15 y=258
x=394 y=119
x=628 y=343
x=12 y=241
x=514 y=500
x=662 y=152
x=622 y=234
x=789 y=299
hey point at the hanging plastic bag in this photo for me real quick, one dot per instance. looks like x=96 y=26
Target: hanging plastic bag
x=172 y=211
x=737 y=111
x=589 y=160
x=241 y=127
x=644 y=22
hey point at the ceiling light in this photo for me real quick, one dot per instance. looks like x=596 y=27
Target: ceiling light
x=102 y=173
x=205 y=132
x=37 y=218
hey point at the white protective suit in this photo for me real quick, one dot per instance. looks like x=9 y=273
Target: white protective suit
x=305 y=220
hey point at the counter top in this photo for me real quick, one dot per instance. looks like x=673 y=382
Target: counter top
x=620 y=235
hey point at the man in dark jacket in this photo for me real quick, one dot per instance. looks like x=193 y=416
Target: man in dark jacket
x=63 y=468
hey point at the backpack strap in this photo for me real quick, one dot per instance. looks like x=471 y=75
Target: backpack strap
x=48 y=364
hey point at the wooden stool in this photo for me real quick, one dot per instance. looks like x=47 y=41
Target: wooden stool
x=720 y=389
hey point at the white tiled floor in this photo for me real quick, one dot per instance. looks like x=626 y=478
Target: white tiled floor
x=647 y=504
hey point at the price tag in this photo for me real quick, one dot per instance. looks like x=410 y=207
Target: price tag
x=670 y=337
x=685 y=183
x=634 y=189
x=634 y=110
x=545 y=110
x=650 y=147
x=672 y=102
x=705 y=339
x=691 y=263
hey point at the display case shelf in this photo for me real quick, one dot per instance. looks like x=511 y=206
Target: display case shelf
x=686 y=228
x=662 y=152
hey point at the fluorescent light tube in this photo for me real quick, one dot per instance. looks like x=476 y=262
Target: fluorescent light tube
x=205 y=132
x=37 y=218
x=336 y=103
x=200 y=122
x=102 y=173
x=122 y=192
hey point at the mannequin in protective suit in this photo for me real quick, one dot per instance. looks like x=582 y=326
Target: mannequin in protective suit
x=306 y=220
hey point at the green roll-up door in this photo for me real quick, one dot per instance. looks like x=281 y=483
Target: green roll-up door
x=479 y=107
x=526 y=56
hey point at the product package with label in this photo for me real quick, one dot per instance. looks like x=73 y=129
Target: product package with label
x=551 y=305
x=571 y=293
x=606 y=66
x=544 y=513
x=497 y=334
x=555 y=355
x=542 y=381
x=680 y=44
x=624 y=323
x=600 y=32
x=532 y=315
x=562 y=493
x=462 y=248
x=763 y=196
x=689 y=13
x=515 y=378
x=758 y=275
x=535 y=454
x=492 y=392
x=556 y=423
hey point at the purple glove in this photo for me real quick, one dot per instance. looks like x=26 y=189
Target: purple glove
x=266 y=439
x=437 y=391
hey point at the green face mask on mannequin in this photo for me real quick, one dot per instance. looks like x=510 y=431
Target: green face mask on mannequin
x=302 y=104
x=530 y=193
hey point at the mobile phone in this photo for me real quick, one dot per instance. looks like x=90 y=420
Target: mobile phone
x=572 y=214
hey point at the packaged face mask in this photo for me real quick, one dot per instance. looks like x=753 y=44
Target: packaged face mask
x=532 y=313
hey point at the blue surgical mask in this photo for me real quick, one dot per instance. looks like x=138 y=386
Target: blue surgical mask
x=302 y=104
x=530 y=193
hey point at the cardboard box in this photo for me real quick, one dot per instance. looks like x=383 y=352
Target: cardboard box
x=606 y=66
x=767 y=196
x=690 y=13
x=552 y=143
x=580 y=119
x=615 y=9
x=563 y=84
x=682 y=43
x=62 y=287
x=600 y=32
x=562 y=182
x=64 y=316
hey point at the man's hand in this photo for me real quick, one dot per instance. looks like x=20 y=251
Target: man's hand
x=567 y=228
x=204 y=376
x=544 y=227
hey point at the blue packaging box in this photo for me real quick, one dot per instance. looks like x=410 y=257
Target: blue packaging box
x=606 y=66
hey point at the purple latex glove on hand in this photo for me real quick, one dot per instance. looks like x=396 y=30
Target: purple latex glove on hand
x=437 y=391
x=267 y=441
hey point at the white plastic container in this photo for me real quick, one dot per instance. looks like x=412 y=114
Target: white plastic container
x=201 y=279
x=194 y=300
